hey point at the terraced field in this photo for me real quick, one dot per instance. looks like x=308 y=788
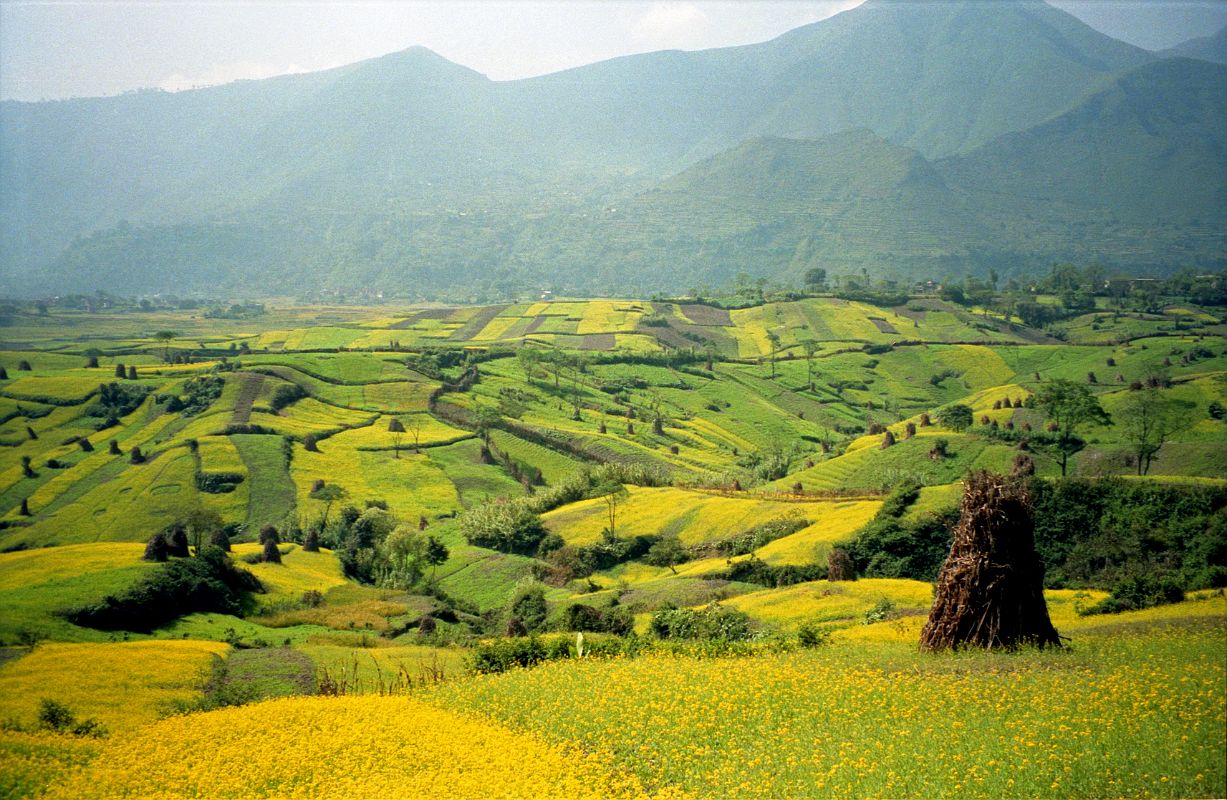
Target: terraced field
x=660 y=457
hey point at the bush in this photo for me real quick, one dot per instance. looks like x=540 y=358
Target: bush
x=755 y=570
x=759 y=535
x=616 y=620
x=811 y=634
x=714 y=622
x=504 y=654
x=1137 y=592
x=527 y=607
x=511 y=526
x=54 y=715
x=882 y=610
x=116 y=400
x=218 y=482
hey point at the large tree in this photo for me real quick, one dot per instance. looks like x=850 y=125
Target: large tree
x=1069 y=406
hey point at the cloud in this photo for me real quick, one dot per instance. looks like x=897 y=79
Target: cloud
x=671 y=25
x=228 y=73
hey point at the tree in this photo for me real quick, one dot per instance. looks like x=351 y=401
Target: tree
x=485 y=418
x=774 y=339
x=327 y=494
x=668 y=551
x=434 y=554
x=166 y=337
x=613 y=499
x=956 y=417
x=529 y=359
x=1069 y=406
x=1148 y=420
x=816 y=279
x=810 y=347
x=201 y=523
x=415 y=430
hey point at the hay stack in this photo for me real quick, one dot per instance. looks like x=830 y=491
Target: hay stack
x=990 y=591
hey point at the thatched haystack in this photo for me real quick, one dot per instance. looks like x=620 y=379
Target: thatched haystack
x=990 y=591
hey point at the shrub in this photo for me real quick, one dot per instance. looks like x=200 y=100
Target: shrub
x=882 y=610
x=811 y=634
x=760 y=535
x=527 y=606
x=956 y=417
x=504 y=654
x=714 y=622
x=218 y=482
x=54 y=715
x=116 y=400
x=616 y=619
x=1137 y=592
x=507 y=525
x=755 y=570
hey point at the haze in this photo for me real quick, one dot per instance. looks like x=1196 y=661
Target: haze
x=57 y=50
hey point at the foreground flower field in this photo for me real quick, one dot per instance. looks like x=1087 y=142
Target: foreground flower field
x=350 y=747
x=1129 y=711
x=1135 y=707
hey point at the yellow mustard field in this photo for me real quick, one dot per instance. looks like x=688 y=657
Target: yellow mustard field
x=121 y=684
x=352 y=747
x=1137 y=713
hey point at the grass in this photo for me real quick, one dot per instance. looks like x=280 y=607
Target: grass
x=271 y=491
x=363 y=668
x=474 y=481
x=298 y=572
x=35 y=584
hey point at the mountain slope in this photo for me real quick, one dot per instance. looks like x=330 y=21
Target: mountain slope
x=1207 y=48
x=1152 y=146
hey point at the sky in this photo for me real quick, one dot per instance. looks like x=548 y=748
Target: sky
x=53 y=49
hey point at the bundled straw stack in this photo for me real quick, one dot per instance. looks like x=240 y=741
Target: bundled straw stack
x=990 y=591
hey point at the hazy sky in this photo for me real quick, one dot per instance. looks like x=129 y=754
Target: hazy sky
x=59 y=49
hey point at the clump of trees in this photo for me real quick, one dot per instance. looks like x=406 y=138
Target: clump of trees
x=209 y=582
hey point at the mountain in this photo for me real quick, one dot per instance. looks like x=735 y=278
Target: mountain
x=1207 y=48
x=1141 y=148
x=411 y=173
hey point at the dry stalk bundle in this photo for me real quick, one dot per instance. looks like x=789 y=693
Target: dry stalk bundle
x=990 y=591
